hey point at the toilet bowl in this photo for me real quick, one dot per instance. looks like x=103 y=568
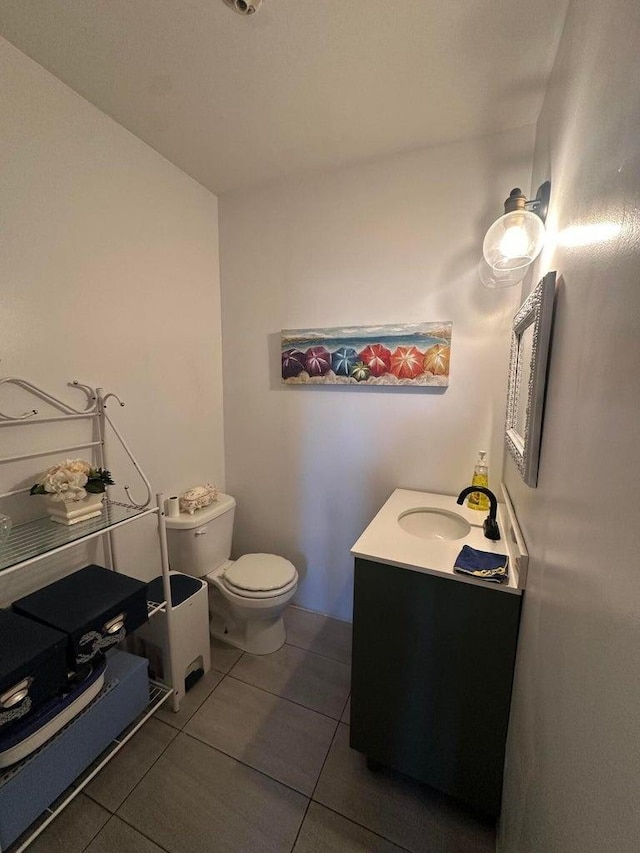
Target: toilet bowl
x=245 y=616
x=247 y=596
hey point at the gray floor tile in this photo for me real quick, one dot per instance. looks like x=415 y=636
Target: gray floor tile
x=324 y=831
x=197 y=799
x=73 y=829
x=411 y=815
x=119 y=837
x=120 y=776
x=191 y=701
x=345 y=718
x=283 y=740
x=320 y=634
x=313 y=681
x=223 y=656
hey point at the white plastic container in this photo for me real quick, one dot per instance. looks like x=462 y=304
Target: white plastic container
x=190 y=644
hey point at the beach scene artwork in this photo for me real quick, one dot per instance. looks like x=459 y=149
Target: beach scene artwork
x=416 y=354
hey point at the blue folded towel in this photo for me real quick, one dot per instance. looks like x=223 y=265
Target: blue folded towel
x=482 y=565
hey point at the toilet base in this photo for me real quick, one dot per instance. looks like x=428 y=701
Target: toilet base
x=255 y=626
x=263 y=641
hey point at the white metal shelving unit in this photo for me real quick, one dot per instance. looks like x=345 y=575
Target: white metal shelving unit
x=36 y=540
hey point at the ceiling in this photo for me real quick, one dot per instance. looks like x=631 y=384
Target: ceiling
x=302 y=85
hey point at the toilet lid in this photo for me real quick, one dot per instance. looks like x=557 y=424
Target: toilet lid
x=260 y=572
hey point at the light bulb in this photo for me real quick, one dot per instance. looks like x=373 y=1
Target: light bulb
x=514 y=241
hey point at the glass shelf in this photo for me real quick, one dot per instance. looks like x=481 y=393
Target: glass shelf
x=35 y=539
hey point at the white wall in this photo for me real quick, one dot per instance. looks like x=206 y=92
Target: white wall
x=573 y=763
x=396 y=240
x=109 y=258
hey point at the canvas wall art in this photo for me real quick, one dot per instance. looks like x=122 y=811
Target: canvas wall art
x=412 y=354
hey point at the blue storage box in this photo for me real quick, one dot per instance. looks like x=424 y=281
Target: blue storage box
x=29 y=787
x=33 y=667
x=95 y=607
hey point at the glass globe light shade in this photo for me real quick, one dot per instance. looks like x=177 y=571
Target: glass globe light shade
x=495 y=279
x=513 y=242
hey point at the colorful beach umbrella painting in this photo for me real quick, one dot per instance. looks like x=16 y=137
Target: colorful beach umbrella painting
x=377 y=358
x=342 y=360
x=401 y=354
x=317 y=361
x=292 y=363
x=407 y=362
x=436 y=360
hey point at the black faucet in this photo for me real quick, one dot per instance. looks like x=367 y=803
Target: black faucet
x=490 y=526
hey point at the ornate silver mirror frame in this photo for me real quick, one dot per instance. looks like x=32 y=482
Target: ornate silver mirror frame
x=527 y=376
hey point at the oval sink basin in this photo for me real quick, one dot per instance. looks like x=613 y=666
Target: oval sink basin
x=431 y=523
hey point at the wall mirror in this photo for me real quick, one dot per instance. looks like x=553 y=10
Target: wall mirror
x=527 y=374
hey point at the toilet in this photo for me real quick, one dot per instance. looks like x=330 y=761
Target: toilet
x=247 y=596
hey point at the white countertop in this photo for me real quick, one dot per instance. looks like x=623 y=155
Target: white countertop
x=385 y=541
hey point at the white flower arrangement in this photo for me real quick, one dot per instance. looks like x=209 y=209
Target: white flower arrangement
x=71 y=480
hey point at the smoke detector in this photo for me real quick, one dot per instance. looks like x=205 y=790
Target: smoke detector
x=243 y=7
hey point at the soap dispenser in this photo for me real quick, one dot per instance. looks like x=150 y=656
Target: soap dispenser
x=480 y=477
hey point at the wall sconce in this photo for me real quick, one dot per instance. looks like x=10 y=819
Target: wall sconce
x=243 y=7
x=515 y=240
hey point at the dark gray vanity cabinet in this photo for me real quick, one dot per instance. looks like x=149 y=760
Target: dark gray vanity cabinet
x=433 y=661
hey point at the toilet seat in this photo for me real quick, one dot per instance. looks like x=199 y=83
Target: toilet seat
x=260 y=576
x=237 y=593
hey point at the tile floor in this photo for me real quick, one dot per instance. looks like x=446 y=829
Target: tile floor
x=258 y=761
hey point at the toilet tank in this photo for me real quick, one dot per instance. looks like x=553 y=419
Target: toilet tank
x=201 y=542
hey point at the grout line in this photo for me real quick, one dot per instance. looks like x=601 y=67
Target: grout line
x=236 y=663
x=319 y=614
x=251 y=766
x=353 y=820
x=344 y=708
x=314 y=652
x=295 y=841
x=325 y=759
x=197 y=708
x=291 y=701
x=153 y=764
x=93 y=800
x=286 y=698
x=363 y=826
x=93 y=837
x=135 y=828
x=344 y=816
x=304 y=817
x=177 y=732
x=241 y=654
x=248 y=766
x=286 y=643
